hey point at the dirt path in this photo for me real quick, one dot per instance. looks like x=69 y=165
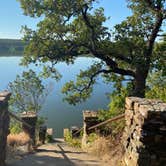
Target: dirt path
x=58 y=154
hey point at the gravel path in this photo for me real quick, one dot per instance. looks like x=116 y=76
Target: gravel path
x=58 y=154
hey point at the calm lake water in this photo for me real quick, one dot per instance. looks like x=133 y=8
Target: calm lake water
x=60 y=114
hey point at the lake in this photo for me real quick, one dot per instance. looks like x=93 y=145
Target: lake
x=59 y=113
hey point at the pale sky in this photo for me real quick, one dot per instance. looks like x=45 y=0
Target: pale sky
x=12 y=18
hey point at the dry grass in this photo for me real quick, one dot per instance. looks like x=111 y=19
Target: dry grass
x=18 y=139
x=18 y=145
x=99 y=147
x=108 y=149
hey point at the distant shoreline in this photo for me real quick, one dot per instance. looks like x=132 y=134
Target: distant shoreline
x=12 y=47
x=12 y=55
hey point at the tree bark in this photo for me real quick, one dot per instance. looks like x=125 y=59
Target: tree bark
x=140 y=82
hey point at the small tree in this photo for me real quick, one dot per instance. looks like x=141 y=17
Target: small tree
x=28 y=93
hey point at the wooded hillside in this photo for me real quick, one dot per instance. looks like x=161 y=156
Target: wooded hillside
x=11 y=47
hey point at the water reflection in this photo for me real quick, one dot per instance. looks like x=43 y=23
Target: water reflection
x=60 y=114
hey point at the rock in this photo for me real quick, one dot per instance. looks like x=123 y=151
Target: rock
x=144 y=136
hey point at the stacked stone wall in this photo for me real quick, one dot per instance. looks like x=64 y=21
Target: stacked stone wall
x=145 y=132
x=4 y=125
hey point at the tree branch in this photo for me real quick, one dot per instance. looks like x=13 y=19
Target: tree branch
x=117 y=70
x=92 y=80
x=111 y=63
x=122 y=58
x=154 y=7
x=150 y=44
x=87 y=22
x=123 y=72
x=150 y=3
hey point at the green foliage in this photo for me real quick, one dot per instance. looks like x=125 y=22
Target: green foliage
x=156 y=86
x=117 y=100
x=15 y=127
x=159 y=60
x=50 y=72
x=28 y=93
x=82 y=89
x=41 y=121
x=49 y=138
x=114 y=128
x=156 y=82
x=92 y=137
x=71 y=28
x=75 y=142
x=116 y=107
x=68 y=136
x=117 y=128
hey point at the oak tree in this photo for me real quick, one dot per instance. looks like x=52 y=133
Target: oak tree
x=73 y=28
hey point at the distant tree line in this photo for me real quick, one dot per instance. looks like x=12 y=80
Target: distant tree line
x=11 y=47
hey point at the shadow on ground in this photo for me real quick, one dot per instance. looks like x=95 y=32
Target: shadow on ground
x=51 y=157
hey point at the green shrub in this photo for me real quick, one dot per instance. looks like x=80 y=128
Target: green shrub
x=68 y=136
x=15 y=127
x=75 y=142
x=49 y=138
x=41 y=121
x=156 y=86
x=92 y=137
x=116 y=107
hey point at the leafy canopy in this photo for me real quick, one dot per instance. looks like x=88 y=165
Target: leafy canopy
x=73 y=28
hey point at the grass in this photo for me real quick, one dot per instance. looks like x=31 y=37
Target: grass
x=99 y=147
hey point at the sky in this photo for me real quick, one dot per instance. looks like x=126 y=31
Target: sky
x=12 y=18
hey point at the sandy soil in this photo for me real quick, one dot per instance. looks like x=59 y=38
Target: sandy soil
x=57 y=154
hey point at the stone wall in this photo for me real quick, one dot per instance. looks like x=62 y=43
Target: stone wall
x=145 y=132
x=4 y=125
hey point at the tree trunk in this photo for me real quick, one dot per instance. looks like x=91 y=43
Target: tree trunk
x=140 y=82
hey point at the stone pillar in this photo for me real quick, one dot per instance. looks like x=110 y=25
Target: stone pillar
x=145 y=132
x=84 y=137
x=89 y=119
x=31 y=119
x=4 y=125
x=66 y=131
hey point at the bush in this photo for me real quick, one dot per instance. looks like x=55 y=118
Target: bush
x=92 y=137
x=15 y=127
x=156 y=86
x=75 y=142
x=116 y=107
x=49 y=138
x=67 y=136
